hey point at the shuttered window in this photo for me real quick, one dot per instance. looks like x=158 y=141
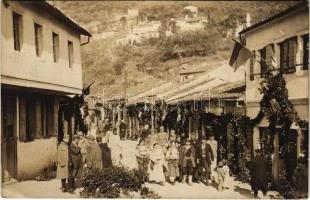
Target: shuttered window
x=306 y=52
x=266 y=54
x=263 y=64
x=288 y=50
x=252 y=62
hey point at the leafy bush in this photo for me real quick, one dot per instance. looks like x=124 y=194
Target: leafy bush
x=48 y=173
x=112 y=182
x=146 y=193
x=285 y=188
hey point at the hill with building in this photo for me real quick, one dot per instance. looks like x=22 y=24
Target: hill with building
x=139 y=45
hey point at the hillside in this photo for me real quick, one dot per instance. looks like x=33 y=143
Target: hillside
x=157 y=60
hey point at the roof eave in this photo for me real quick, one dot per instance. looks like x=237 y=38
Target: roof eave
x=275 y=17
x=60 y=15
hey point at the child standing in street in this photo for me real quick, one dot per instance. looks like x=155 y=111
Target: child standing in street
x=227 y=176
x=142 y=155
x=172 y=157
x=220 y=175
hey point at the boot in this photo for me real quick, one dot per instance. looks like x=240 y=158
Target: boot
x=183 y=179
x=190 y=180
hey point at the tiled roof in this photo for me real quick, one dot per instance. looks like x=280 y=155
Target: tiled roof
x=44 y=5
x=276 y=16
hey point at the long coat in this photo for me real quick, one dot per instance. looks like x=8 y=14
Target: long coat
x=75 y=158
x=258 y=169
x=94 y=160
x=105 y=155
x=182 y=161
x=300 y=179
x=208 y=154
x=62 y=161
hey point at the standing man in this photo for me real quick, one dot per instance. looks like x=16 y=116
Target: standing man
x=94 y=160
x=258 y=169
x=187 y=161
x=122 y=129
x=75 y=164
x=146 y=132
x=214 y=146
x=204 y=159
x=83 y=144
x=63 y=162
x=100 y=130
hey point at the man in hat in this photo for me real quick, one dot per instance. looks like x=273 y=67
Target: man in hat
x=204 y=158
x=75 y=164
x=214 y=146
x=63 y=162
x=83 y=144
x=94 y=160
x=146 y=132
x=187 y=161
x=172 y=136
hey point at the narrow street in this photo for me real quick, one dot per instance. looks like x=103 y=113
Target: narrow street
x=51 y=189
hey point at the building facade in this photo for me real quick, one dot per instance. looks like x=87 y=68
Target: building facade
x=40 y=65
x=280 y=41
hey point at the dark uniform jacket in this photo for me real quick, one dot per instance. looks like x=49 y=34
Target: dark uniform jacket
x=105 y=155
x=205 y=153
x=182 y=156
x=258 y=169
x=75 y=158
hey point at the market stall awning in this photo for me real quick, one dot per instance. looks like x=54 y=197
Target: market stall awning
x=201 y=88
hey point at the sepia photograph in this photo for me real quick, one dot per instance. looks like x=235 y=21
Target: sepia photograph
x=154 y=99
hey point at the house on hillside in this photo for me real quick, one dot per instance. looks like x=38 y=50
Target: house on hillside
x=140 y=32
x=40 y=66
x=281 y=41
x=189 y=74
x=190 y=24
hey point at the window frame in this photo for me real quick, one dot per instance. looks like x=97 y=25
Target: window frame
x=17 y=22
x=55 y=45
x=38 y=38
x=287 y=69
x=305 y=56
x=70 y=53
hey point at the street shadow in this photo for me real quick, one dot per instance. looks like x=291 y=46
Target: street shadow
x=244 y=192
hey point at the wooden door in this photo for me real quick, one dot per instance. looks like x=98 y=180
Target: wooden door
x=8 y=143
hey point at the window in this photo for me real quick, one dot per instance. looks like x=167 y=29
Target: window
x=266 y=55
x=252 y=67
x=30 y=118
x=288 y=55
x=263 y=64
x=38 y=38
x=70 y=53
x=36 y=117
x=17 y=32
x=306 y=52
x=56 y=47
